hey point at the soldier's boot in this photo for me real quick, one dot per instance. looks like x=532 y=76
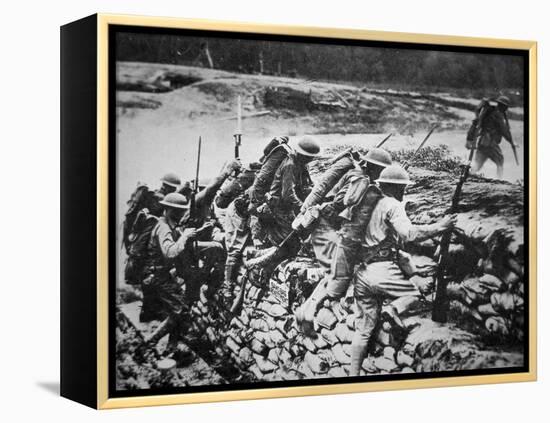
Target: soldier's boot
x=306 y=312
x=358 y=354
x=228 y=281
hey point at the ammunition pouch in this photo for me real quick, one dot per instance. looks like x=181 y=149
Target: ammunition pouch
x=133 y=270
x=374 y=255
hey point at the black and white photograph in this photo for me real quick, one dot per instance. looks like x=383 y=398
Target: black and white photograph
x=293 y=210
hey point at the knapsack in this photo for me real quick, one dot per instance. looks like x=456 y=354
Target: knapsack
x=138 y=224
x=234 y=187
x=329 y=179
x=271 y=145
x=483 y=110
x=277 y=150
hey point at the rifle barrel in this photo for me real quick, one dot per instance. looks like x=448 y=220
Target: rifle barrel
x=440 y=304
x=198 y=165
x=381 y=143
x=408 y=163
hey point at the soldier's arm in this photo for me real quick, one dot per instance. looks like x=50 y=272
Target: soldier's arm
x=288 y=188
x=338 y=202
x=170 y=248
x=409 y=232
x=204 y=198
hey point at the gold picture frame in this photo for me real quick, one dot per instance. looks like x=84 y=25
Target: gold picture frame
x=103 y=400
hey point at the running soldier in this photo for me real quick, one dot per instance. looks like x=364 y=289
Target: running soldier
x=491 y=126
x=381 y=275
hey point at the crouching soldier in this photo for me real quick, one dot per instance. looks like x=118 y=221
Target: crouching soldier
x=353 y=204
x=168 y=259
x=381 y=276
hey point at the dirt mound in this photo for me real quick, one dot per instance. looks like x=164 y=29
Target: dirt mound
x=335 y=107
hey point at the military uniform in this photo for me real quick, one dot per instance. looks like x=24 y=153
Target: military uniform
x=495 y=127
x=162 y=295
x=289 y=189
x=350 y=209
x=360 y=199
x=379 y=277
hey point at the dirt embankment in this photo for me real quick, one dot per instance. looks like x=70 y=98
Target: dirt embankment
x=328 y=107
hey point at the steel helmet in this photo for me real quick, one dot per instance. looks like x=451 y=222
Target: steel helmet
x=394 y=174
x=308 y=146
x=175 y=200
x=503 y=100
x=378 y=156
x=171 y=179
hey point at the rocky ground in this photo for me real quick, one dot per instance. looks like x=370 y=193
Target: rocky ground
x=262 y=342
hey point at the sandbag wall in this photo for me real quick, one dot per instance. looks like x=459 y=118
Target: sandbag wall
x=263 y=341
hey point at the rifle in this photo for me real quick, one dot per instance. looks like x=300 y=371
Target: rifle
x=408 y=162
x=439 y=312
x=514 y=149
x=381 y=143
x=255 y=262
x=196 y=181
x=193 y=212
x=238 y=133
x=196 y=187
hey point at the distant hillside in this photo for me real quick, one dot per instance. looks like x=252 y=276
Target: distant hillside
x=360 y=64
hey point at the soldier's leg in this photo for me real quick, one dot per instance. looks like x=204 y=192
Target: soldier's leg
x=172 y=299
x=151 y=306
x=498 y=158
x=368 y=312
x=387 y=279
x=333 y=286
x=212 y=255
x=237 y=235
x=324 y=239
x=480 y=157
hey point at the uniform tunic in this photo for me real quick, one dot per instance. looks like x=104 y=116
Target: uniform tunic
x=159 y=287
x=378 y=279
x=288 y=190
x=495 y=127
x=359 y=199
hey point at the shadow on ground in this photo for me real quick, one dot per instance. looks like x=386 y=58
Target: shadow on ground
x=51 y=387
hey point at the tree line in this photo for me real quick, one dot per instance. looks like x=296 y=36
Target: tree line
x=360 y=64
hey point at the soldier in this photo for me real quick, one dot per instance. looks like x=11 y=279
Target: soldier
x=353 y=204
x=204 y=198
x=236 y=223
x=493 y=125
x=380 y=275
x=290 y=187
x=144 y=208
x=167 y=248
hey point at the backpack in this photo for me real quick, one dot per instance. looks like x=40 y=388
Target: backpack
x=234 y=187
x=271 y=145
x=339 y=166
x=277 y=150
x=483 y=110
x=136 y=232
